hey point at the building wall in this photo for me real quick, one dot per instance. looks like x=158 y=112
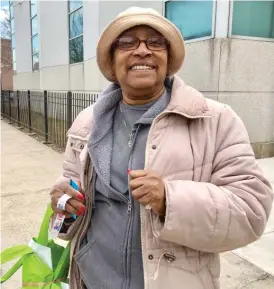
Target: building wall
x=6 y=65
x=24 y=77
x=234 y=71
x=239 y=73
x=110 y=9
x=54 y=47
x=247 y=84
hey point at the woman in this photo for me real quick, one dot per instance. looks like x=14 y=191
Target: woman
x=169 y=179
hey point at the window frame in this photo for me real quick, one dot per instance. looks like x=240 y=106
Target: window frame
x=230 y=35
x=213 y=24
x=80 y=35
x=33 y=35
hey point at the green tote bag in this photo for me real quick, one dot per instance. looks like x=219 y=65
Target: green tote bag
x=45 y=264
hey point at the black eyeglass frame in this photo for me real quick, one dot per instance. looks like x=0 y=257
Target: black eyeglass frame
x=116 y=43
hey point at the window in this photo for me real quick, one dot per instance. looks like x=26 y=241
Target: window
x=76 y=49
x=253 y=19
x=12 y=36
x=193 y=18
x=34 y=35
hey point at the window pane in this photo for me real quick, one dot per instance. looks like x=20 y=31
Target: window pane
x=74 y=5
x=76 y=50
x=193 y=18
x=76 y=23
x=34 y=25
x=253 y=18
x=12 y=25
x=33 y=8
x=12 y=41
x=35 y=44
x=13 y=55
x=35 y=61
x=14 y=66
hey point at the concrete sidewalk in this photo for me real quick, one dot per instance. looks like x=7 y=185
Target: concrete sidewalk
x=29 y=169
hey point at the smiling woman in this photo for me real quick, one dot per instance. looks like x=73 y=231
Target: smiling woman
x=169 y=177
x=140 y=64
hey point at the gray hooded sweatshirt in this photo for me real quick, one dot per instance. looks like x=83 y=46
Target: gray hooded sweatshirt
x=112 y=247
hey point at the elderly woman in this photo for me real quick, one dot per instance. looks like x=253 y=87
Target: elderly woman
x=168 y=178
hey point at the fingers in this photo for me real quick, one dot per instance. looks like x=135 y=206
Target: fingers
x=64 y=188
x=72 y=206
x=139 y=192
x=147 y=187
x=145 y=200
x=144 y=197
x=137 y=174
x=67 y=189
x=75 y=205
x=136 y=183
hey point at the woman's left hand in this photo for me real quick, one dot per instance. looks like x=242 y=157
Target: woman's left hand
x=148 y=188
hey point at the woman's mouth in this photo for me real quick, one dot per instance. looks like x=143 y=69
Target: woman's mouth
x=142 y=67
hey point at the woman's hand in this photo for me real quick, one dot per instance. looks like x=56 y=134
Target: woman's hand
x=148 y=188
x=75 y=205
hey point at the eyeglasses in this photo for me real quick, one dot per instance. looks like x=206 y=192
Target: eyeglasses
x=155 y=43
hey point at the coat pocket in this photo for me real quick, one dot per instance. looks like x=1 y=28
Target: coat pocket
x=99 y=265
x=170 y=268
x=84 y=259
x=178 y=265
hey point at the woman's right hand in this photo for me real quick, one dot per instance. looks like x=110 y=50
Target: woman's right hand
x=75 y=205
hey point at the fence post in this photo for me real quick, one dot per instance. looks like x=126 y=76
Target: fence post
x=10 y=108
x=69 y=109
x=46 y=117
x=18 y=108
x=29 y=112
x=3 y=103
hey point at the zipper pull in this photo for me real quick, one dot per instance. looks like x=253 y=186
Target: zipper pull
x=129 y=207
x=130 y=140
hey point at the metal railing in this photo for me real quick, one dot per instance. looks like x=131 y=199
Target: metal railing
x=48 y=114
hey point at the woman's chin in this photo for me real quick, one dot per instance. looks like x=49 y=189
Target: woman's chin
x=142 y=84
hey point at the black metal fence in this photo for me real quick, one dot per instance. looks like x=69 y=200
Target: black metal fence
x=48 y=114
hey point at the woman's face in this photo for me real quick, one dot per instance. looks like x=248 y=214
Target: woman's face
x=141 y=68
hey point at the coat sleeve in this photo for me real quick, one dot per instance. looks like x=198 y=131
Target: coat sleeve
x=70 y=170
x=70 y=165
x=231 y=210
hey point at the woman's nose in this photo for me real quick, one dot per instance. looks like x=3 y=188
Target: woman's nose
x=142 y=50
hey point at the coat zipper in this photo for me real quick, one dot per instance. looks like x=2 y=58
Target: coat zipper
x=130 y=208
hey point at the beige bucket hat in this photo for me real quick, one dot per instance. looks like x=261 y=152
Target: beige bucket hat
x=135 y=16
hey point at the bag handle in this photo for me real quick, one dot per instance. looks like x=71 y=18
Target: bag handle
x=13 y=253
x=43 y=236
x=62 y=268
x=12 y=270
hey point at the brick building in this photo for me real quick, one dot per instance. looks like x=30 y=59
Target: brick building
x=6 y=65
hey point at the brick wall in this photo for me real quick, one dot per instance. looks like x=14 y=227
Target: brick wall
x=6 y=65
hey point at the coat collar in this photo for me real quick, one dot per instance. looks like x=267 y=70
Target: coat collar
x=187 y=101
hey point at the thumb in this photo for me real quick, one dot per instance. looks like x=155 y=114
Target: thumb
x=137 y=174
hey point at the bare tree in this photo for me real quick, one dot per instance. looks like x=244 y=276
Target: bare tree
x=6 y=46
x=6 y=50
x=5 y=26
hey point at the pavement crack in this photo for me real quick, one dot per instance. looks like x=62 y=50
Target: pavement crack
x=24 y=192
x=263 y=277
